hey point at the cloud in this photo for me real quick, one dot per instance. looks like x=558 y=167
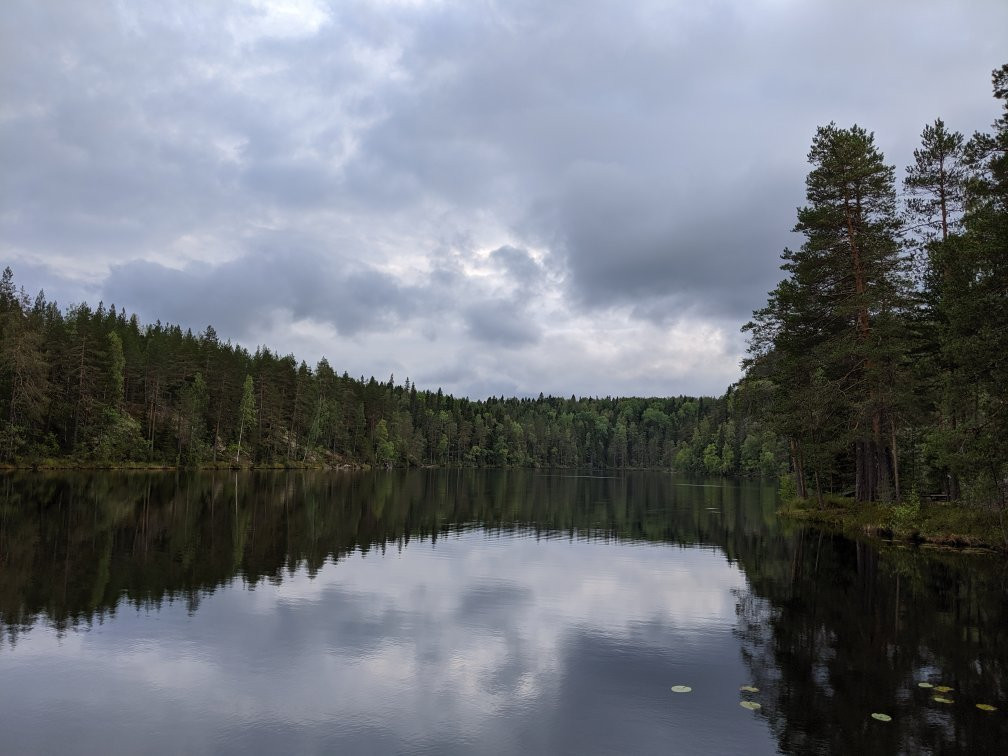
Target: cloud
x=524 y=269
x=240 y=296
x=415 y=650
x=522 y=176
x=501 y=322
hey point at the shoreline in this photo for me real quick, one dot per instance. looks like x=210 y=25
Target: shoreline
x=83 y=466
x=938 y=524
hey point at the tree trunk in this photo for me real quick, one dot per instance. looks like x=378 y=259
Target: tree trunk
x=895 y=461
x=880 y=461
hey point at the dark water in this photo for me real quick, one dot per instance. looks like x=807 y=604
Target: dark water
x=495 y=612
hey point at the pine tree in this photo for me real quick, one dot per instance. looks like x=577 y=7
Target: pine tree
x=936 y=181
x=935 y=184
x=834 y=328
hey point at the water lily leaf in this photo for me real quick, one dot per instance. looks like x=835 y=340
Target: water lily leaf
x=881 y=717
x=924 y=685
x=681 y=688
x=943 y=688
x=942 y=699
x=751 y=705
x=749 y=689
x=986 y=707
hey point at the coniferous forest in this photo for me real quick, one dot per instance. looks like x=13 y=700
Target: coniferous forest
x=878 y=366
x=95 y=386
x=882 y=357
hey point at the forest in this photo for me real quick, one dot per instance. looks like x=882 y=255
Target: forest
x=93 y=387
x=882 y=357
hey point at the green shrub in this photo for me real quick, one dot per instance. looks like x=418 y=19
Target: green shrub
x=787 y=492
x=906 y=516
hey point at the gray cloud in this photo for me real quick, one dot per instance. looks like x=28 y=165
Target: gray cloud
x=240 y=296
x=501 y=322
x=519 y=175
x=519 y=264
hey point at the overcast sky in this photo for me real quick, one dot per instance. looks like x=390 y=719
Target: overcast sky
x=492 y=197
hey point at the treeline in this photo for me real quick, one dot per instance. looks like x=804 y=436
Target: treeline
x=882 y=357
x=94 y=385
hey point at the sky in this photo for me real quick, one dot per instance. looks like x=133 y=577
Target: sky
x=490 y=197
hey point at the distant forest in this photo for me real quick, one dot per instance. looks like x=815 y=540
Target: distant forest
x=882 y=357
x=94 y=386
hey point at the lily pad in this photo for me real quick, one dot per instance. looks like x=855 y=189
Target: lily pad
x=942 y=699
x=751 y=705
x=924 y=685
x=986 y=707
x=881 y=717
x=943 y=688
x=749 y=689
x=681 y=689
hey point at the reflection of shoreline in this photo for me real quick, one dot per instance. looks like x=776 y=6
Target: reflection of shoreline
x=78 y=544
x=940 y=525
x=834 y=629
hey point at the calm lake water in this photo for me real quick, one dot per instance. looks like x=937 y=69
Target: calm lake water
x=477 y=612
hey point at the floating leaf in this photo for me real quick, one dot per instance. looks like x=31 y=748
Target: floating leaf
x=681 y=688
x=881 y=717
x=751 y=705
x=942 y=699
x=749 y=689
x=986 y=707
x=943 y=688
x=924 y=685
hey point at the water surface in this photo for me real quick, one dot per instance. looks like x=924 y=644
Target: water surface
x=486 y=612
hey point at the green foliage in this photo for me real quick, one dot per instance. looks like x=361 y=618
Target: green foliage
x=786 y=490
x=879 y=379
x=116 y=365
x=711 y=459
x=95 y=384
x=905 y=517
x=120 y=439
x=385 y=453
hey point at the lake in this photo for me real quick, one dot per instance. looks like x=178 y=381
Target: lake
x=491 y=612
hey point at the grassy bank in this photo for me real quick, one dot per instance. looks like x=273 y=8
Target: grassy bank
x=938 y=523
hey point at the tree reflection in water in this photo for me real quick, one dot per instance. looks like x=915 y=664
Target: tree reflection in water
x=831 y=629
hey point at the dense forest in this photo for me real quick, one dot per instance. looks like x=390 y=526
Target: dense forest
x=882 y=357
x=94 y=386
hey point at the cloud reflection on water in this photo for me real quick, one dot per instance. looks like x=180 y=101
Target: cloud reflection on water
x=472 y=643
